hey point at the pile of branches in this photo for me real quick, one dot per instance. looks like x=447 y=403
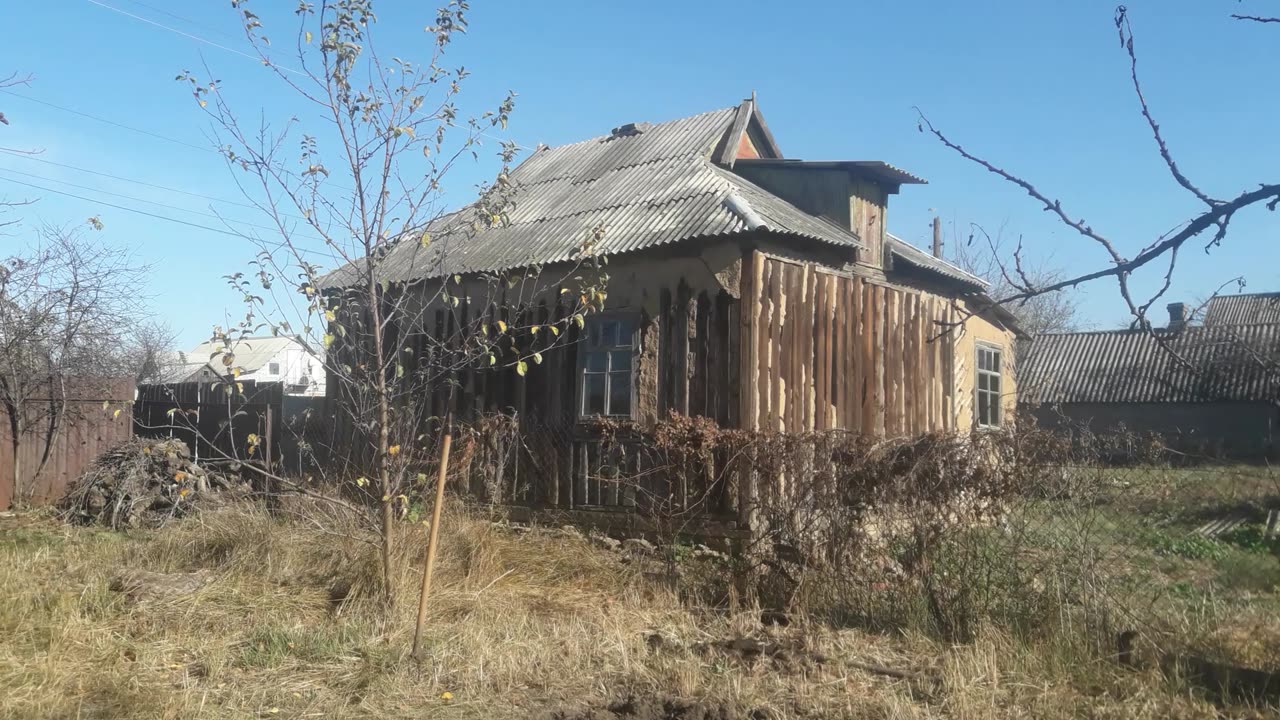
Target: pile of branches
x=145 y=483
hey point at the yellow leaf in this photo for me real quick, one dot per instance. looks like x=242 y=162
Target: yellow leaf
x=203 y=103
x=274 y=711
x=362 y=481
x=386 y=498
x=184 y=492
x=446 y=695
x=426 y=237
x=554 y=330
x=330 y=315
x=106 y=404
x=394 y=450
x=522 y=367
x=235 y=372
x=502 y=326
x=534 y=330
x=116 y=414
x=492 y=359
x=537 y=358
x=578 y=319
x=328 y=340
x=308 y=36
x=239 y=387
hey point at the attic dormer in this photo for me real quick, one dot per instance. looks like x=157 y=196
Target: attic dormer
x=853 y=194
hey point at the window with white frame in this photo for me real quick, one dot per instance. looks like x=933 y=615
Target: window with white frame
x=606 y=361
x=988 y=386
x=273 y=368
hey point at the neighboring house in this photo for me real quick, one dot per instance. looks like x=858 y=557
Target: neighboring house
x=761 y=292
x=262 y=360
x=1212 y=388
x=1250 y=309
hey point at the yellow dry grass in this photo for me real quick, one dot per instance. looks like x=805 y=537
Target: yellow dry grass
x=290 y=627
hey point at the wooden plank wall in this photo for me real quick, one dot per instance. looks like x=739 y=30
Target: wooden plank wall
x=830 y=350
x=686 y=363
x=88 y=431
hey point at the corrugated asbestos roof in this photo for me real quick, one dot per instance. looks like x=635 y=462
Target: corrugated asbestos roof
x=1129 y=366
x=645 y=189
x=904 y=251
x=1243 y=309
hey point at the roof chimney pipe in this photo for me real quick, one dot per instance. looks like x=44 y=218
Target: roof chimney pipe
x=1177 y=315
x=937 y=236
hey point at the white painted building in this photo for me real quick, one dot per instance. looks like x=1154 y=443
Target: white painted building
x=261 y=359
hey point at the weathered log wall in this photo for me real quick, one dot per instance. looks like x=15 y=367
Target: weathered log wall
x=833 y=350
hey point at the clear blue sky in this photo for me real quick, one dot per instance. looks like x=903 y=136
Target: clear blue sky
x=1039 y=87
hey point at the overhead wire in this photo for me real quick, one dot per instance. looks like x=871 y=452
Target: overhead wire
x=242 y=236
x=197 y=38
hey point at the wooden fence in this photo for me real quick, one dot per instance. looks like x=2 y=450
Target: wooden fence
x=88 y=429
x=835 y=351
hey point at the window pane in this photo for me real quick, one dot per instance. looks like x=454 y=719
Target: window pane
x=594 y=361
x=995 y=361
x=994 y=384
x=983 y=417
x=982 y=381
x=995 y=411
x=609 y=332
x=593 y=394
x=626 y=328
x=984 y=360
x=620 y=360
x=620 y=393
x=593 y=332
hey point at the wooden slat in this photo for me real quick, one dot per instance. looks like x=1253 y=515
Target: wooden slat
x=752 y=296
x=821 y=353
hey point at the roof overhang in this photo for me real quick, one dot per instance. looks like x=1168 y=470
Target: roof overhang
x=875 y=169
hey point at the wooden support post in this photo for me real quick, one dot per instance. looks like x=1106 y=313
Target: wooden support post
x=433 y=537
x=937 y=236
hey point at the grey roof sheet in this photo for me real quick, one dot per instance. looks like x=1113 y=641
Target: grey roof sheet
x=904 y=251
x=644 y=190
x=1246 y=309
x=1129 y=366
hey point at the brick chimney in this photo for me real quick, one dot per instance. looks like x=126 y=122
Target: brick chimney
x=1177 y=315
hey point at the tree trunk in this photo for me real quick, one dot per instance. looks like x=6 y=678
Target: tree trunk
x=384 y=454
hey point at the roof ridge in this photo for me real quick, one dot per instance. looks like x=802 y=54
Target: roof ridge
x=1225 y=327
x=655 y=126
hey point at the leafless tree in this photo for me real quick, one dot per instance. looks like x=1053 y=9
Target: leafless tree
x=66 y=309
x=1209 y=222
x=14 y=79
x=981 y=254
x=362 y=268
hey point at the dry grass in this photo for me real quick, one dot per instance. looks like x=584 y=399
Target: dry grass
x=521 y=623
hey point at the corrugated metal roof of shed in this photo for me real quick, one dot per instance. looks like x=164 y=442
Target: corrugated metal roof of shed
x=1133 y=366
x=1247 y=309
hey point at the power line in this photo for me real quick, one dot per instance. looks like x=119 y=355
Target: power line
x=189 y=21
x=28 y=156
x=159 y=217
x=197 y=38
x=109 y=122
x=141 y=200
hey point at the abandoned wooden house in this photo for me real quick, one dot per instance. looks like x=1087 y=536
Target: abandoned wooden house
x=762 y=292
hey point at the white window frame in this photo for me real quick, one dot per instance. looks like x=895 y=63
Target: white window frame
x=993 y=397
x=595 y=324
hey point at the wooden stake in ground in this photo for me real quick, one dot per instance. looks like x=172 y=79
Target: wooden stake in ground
x=432 y=538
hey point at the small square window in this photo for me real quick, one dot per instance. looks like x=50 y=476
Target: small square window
x=273 y=368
